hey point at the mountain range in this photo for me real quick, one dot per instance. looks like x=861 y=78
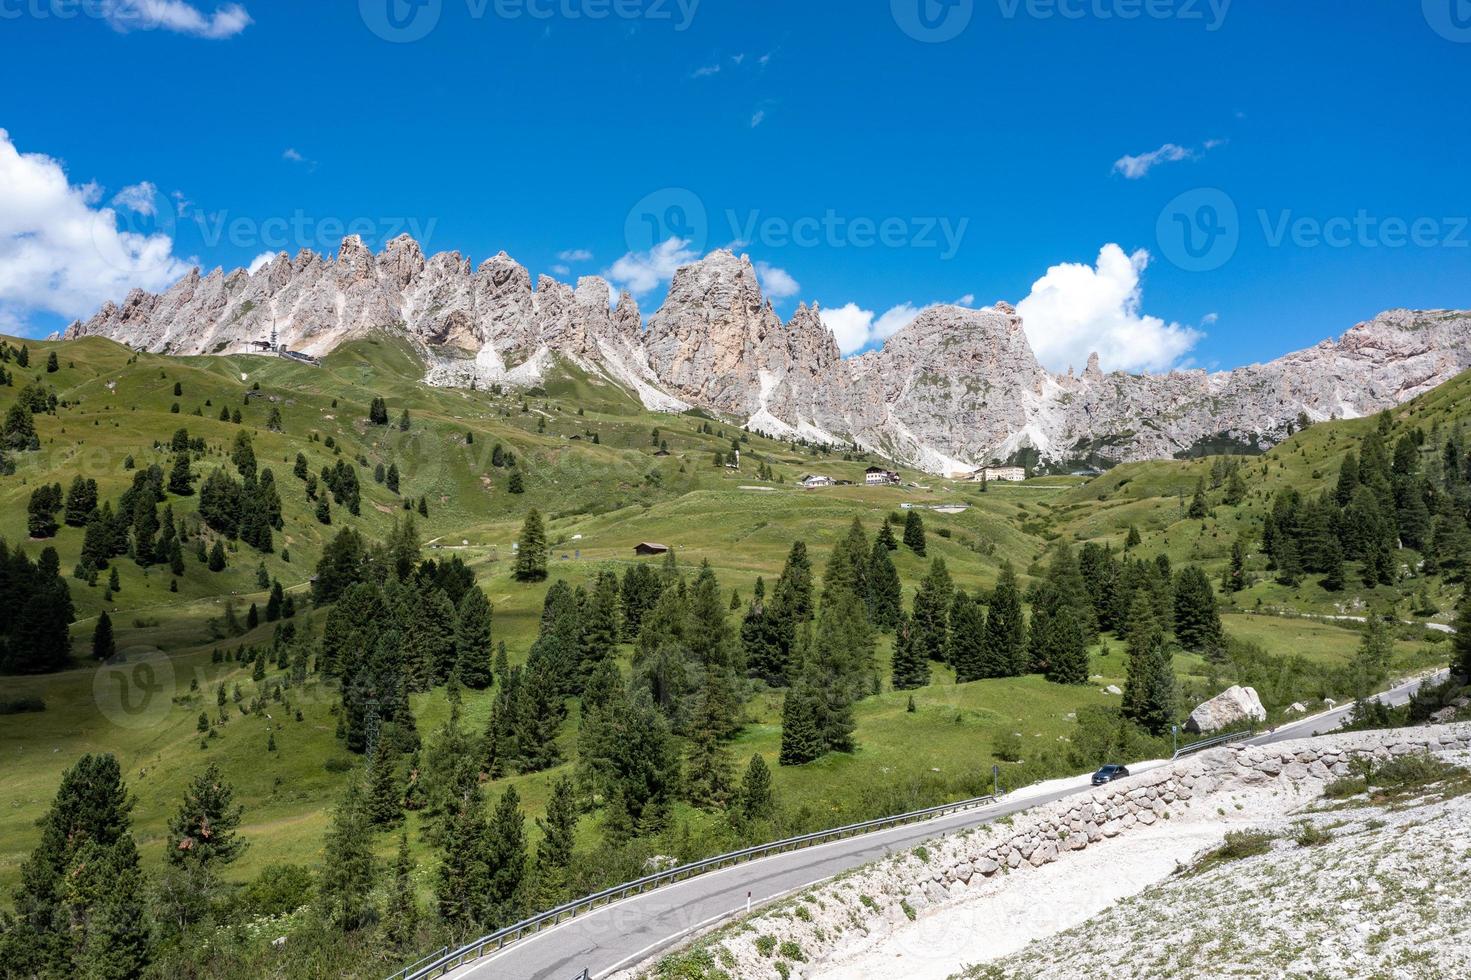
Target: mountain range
x=956 y=388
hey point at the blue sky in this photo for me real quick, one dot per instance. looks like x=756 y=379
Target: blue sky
x=867 y=158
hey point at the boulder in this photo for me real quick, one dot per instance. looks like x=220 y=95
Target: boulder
x=1297 y=708
x=1229 y=708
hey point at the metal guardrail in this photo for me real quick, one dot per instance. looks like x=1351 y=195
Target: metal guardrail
x=1211 y=743
x=446 y=961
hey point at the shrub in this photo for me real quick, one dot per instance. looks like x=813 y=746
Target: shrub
x=791 y=951
x=765 y=945
x=338 y=765
x=19 y=706
x=1310 y=834
x=908 y=909
x=280 y=888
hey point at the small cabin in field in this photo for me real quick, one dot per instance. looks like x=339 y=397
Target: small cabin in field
x=645 y=548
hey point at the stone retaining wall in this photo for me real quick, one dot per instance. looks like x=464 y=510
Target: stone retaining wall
x=1141 y=800
x=881 y=897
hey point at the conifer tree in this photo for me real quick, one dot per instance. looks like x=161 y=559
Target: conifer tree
x=1197 y=619
x=932 y=610
x=505 y=860
x=531 y=556
x=1149 y=687
x=217 y=557
x=384 y=800
x=553 y=868
x=349 y=871
x=1005 y=651
x=802 y=738
x=1235 y=580
x=966 y=650
x=886 y=594
x=401 y=917
x=462 y=880
x=1461 y=642
x=104 y=647
x=911 y=665
x=756 y=798
x=886 y=536
x=472 y=640
x=914 y=533
x=1067 y=661
x=204 y=830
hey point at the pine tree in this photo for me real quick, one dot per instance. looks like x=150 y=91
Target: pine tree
x=462 y=879
x=1199 y=507
x=349 y=871
x=80 y=903
x=886 y=594
x=967 y=639
x=531 y=555
x=104 y=647
x=384 y=800
x=801 y=731
x=1235 y=580
x=756 y=798
x=1067 y=661
x=1149 y=687
x=203 y=831
x=886 y=537
x=1005 y=651
x=911 y=665
x=914 y=533
x=378 y=412
x=932 y=610
x=217 y=557
x=1134 y=539
x=505 y=860
x=1197 y=619
x=472 y=640
x=401 y=918
x=555 y=849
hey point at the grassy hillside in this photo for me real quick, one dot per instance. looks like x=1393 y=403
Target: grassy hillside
x=601 y=497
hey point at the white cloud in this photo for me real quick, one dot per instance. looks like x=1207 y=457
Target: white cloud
x=1137 y=167
x=776 y=283
x=62 y=254
x=705 y=71
x=758 y=118
x=642 y=272
x=293 y=155
x=575 y=255
x=1076 y=309
x=969 y=299
x=142 y=198
x=260 y=262
x=855 y=328
x=738 y=58
x=176 y=16
x=562 y=270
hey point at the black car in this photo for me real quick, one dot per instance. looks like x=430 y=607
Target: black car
x=1108 y=774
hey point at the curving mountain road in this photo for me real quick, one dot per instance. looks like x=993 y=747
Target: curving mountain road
x=627 y=932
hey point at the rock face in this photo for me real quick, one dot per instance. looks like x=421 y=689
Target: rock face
x=955 y=389
x=1231 y=707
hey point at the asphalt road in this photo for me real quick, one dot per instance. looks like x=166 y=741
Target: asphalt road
x=625 y=933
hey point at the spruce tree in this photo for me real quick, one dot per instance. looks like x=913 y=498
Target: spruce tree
x=914 y=533
x=966 y=651
x=462 y=880
x=531 y=555
x=1149 y=687
x=555 y=849
x=384 y=800
x=910 y=665
x=1461 y=642
x=1235 y=580
x=204 y=830
x=217 y=557
x=886 y=537
x=932 y=610
x=349 y=870
x=401 y=917
x=505 y=860
x=1005 y=651
x=104 y=647
x=1067 y=661
x=756 y=799
x=1197 y=619
x=886 y=594
x=802 y=738
x=472 y=640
